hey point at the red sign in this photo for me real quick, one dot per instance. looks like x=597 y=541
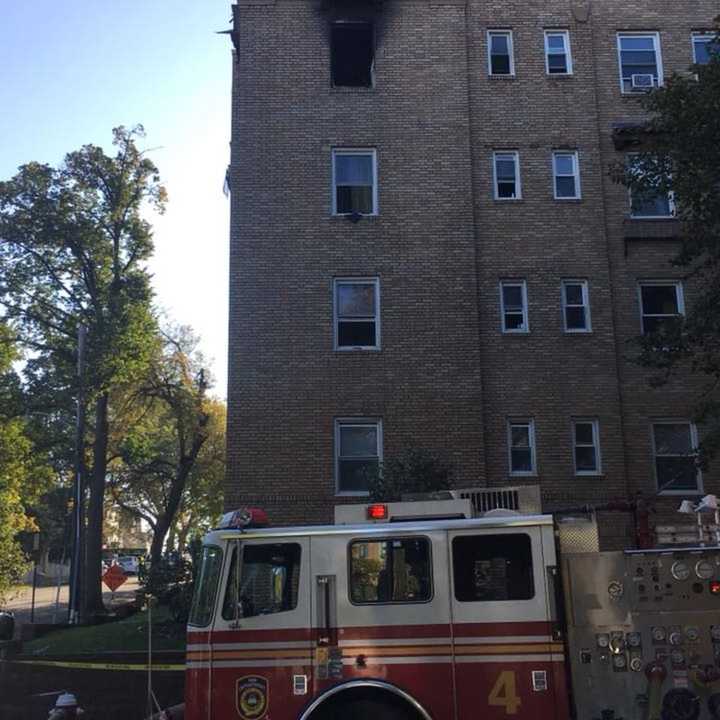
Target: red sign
x=114 y=577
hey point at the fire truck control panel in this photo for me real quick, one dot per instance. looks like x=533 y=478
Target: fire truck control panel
x=644 y=633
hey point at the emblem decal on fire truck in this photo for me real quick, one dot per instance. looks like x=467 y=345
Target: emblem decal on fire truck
x=251 y=697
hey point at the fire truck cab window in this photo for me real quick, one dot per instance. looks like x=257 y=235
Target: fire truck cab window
x=395 y=570
x=203 y=603
x=492 y=567
x=268 y=582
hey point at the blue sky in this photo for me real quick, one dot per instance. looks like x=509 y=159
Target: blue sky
x=71 y=70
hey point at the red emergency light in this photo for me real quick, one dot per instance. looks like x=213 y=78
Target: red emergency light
x=715 y=587
x=244 y=518
x=377 y=512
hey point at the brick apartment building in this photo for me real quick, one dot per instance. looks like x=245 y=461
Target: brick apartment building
x=426 y=249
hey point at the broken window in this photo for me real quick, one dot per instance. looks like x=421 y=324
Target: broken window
x=351 y=52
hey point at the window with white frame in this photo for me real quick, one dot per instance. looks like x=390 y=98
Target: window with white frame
x=358 y=453
x=704 y=45
x=357 y=313
x=354 y=179
x=521 y=446
x=558 y=60
x=640 y=61
x=648 y=202
x=513 y=306
x=506 y=175
x=675 y=446
x=500 y=52
x=576 y=306
x=660 y=301
x=566 y=175
x=586 y=447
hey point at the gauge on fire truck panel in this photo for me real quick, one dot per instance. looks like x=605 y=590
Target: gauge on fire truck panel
x=603 y=640
x=692 y=633
x=680 y=570
x=715 y=632
x=677 y=657
x=676 y=637
x=704 y=569
x=619 y=662
x=658 y=634
x=617 y=643
x=636 y=664
x=634 y=639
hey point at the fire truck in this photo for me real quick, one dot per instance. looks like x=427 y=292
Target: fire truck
x=478 y=606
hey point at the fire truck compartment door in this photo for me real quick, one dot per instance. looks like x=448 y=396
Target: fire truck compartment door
x=506 y=662
x=390 y=604
x=261 y=642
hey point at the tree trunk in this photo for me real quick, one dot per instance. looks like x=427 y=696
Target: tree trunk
x=94 y=535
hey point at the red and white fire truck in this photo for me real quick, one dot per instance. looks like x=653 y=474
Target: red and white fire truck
x=446 y=610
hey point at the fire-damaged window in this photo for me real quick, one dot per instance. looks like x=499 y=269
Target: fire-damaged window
x=351 y=53
x=268 y=582
x=391 y=570
x=492 y=567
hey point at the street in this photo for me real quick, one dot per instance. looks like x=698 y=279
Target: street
x=46 y=598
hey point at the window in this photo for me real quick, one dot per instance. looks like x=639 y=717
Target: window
x=586 y=447
x=513 y=306
x=640 y=62
x=354 y=182
x=357 y=314
x=521 y=446
x=576 y=306
x=704 y=44
x=500 y=52
x=392 y=570
x=566 y=175
x=506 y=173
x=268 y=582
x=558 y=60
x=674 y=448
x=351 y=54
x=648 y=202
x=491 y=568
x=659 y=302
x=358 y=453
x=203 y=602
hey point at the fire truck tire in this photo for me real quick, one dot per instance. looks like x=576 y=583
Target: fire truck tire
x=361 y=703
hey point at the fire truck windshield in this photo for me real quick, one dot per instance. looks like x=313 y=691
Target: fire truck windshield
x=203 y=603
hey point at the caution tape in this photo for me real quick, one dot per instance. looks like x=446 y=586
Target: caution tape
x=100 y=666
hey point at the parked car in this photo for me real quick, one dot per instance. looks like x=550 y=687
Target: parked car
x=129 y=564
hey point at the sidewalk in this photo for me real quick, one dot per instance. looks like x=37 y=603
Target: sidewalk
x=46 y=610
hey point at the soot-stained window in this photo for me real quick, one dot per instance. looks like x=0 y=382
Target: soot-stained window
x=351 y=49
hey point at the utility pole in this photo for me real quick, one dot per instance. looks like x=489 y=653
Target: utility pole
x=78 y=488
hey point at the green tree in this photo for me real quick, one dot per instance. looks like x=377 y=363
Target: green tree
x=73 y=248
x=22 y=474
x=412 y=471
x=679 y=153
x=158 y=474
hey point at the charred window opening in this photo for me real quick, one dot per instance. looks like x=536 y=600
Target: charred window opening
x=351 y=49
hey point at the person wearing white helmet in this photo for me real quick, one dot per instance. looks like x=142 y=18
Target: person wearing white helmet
x=66 y=708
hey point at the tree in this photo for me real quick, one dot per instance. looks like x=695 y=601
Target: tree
x=160 y=457
x=73 y=248
x=22 y=474
x=412 y=471
x=680 y=154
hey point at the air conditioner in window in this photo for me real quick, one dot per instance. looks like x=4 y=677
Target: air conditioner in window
x=642 y=82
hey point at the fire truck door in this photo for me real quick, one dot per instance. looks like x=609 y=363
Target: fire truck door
x=501 y=623
x=261 y=645
x=388 y=616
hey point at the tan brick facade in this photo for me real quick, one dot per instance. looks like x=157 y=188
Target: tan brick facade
x=446 y=377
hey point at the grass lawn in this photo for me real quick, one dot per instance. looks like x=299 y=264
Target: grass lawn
x=128 y=635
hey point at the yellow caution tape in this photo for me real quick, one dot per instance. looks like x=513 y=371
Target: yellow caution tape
x=99 y=666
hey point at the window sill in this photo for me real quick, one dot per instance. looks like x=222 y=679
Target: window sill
x=507 y=200
x=357 y=349
x=577 y=332
x=352 y=90
x=522 y=475
x=678 y=493
x=570 y=200
x=580 y=476
x=559 y=76
x=348 y=217
x=512 y=76
x=348 y=493
x=515 y=332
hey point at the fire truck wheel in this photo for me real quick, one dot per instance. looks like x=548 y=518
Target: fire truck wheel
x=365 y=704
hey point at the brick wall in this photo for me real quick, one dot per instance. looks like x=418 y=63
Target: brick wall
x=446 y=378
